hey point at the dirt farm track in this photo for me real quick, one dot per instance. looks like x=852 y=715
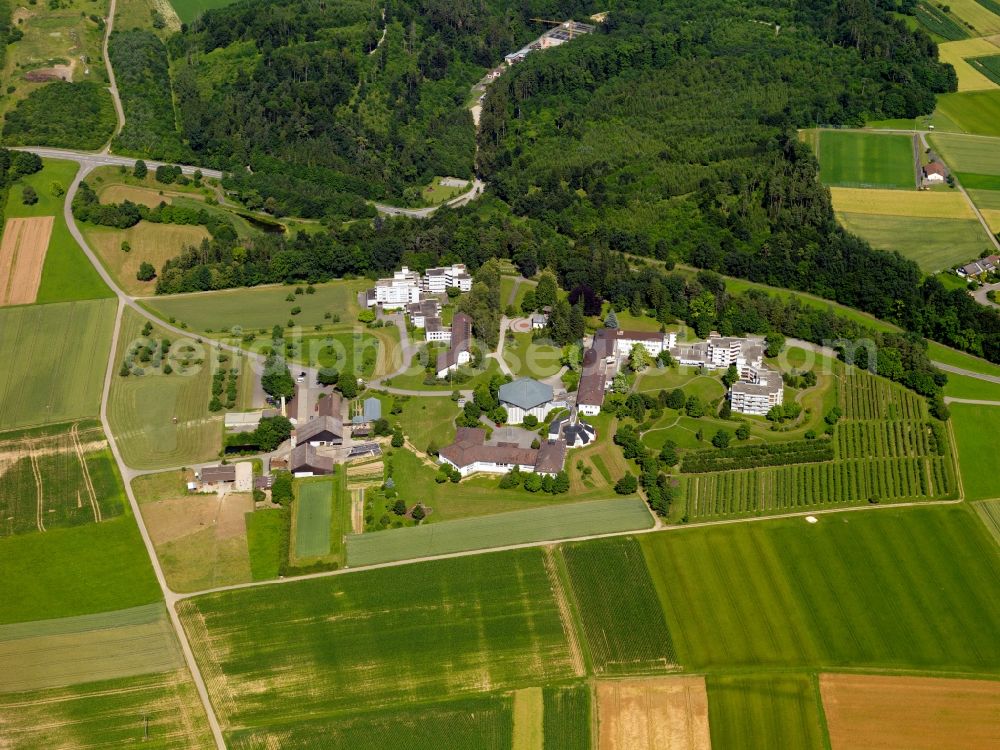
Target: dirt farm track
x=22 y=255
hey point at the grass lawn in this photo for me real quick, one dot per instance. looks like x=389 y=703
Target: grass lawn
x=961 y=386
x=855 y=159
x=163 y=420
x=356 y=352
x=151 y=243
x=267 y=539
x=891 y=589
x=425 y=420
x=260 y=308
x=783 y=709
x=965 y=153
x=976 y=455
x=67 y=273
x=941 y=353
x=313 y=513
x=55 y=358
x=158 y=711
x=436 y=192
x=483 y=623
x=517 y=527
x=934 y=244
x=977 y=112
x=529 y=358
x=75 y=571
x=413 y=378
x=955 y=53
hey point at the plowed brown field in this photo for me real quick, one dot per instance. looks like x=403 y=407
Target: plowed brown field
x=669 y=713
x=22 y=255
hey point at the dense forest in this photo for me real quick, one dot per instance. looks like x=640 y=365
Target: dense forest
x=65 y=115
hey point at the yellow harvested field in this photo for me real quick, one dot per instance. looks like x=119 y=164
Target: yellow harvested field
x=153 y=243
x=669 y=713
x=529 y=727
x=969 y=79
x=992 y=216
x=910 y=713
x=22 y=255
x=980 y=17
x=924 y=204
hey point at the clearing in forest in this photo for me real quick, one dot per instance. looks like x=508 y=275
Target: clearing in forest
x=22 y=255
x=669 y=713
x=910 y=713
x=865 y=160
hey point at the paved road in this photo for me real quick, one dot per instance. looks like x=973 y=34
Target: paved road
x=966 y=373
x=981 y=292
x=89 y=160
x=474 y=191
x=978 y=401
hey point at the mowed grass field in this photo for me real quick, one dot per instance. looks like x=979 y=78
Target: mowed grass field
x=377 y=638
x=782 y=709
x=158 y=712
x=67 y=273
x=189 y=10
x=934 y=244
x=88 y=648
x=894 y=589
x=500 y=529
x=856 y=159
x=262 y=307
x=54 y=361
x=163 y=420
x=313 y=511
x=975 y=112
x=973 y=425
x=151 y=243
x=966 y=153
x=969 y=79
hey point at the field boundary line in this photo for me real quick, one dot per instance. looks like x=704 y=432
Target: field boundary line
x=75 y=433
x=39 y=492
x=565 y=615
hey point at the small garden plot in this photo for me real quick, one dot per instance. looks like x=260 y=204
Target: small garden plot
x=869 y=160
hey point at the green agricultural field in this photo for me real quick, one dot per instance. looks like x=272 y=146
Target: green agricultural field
x=481 y=723
x=189 y=10
x=67 y=572
x=157 y=712
x=972 y=12
x=563 y=521
x=966 y=153
x=976 y=112
x=934 y=244
x=163 y=420
x=783 y=710
x=313 y=513
x=973 y=424
x=989 y=66
x=57 y=476
x=67 y=273
x=566 y=717
x=906 y=589
x=260 y=308
x=985 y=199
x=989 y=512
x=88 y=648
x=460 y=627
x=55 y=358
x=267 y=540
x=854 y=159
x=623 y=625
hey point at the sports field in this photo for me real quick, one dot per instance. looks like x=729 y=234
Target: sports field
x=925 y=204
x=890 y=588
x=499 y=529
x=66 y=273
x=61 y=475
x=313 y=511
x=910 y=713
x=158 y=712
x=261 y=308
x=966 y=153
x=150 y=243
x=88 y=648
x=54 y=358
x=163 y=420
x=934 y=244
x=969 y=79
x=22 y=254
x=974 y=112
x=98 y=567
x=783 y=710
x=456 y=627
x=971 y=422
x=854 y=159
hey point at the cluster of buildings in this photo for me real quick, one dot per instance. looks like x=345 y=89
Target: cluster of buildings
x=472 y=452
x=407 y=287
x=757 y=391
x=981 y=268
x=564 y=32
x=313 y=439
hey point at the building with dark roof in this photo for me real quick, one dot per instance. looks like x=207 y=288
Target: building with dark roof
x=331 y=405
x=593 y=382
x=304 y=460
x=526 y=396
x=470 y=453
x=218 y=474
x=458 y=353
x=321 y=431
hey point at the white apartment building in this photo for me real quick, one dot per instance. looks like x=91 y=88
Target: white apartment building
x=401 y=290
x=654 y=343
x=437 y=280
x=434 y=330
x=759 y=394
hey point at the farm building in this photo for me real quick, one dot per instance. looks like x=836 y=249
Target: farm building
x=263 y=482
x=305 y=461
x=470 y=453
x=218 y=475
x=526 y=396
x=330 y=405
x=935 y=172
x=321 y=431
